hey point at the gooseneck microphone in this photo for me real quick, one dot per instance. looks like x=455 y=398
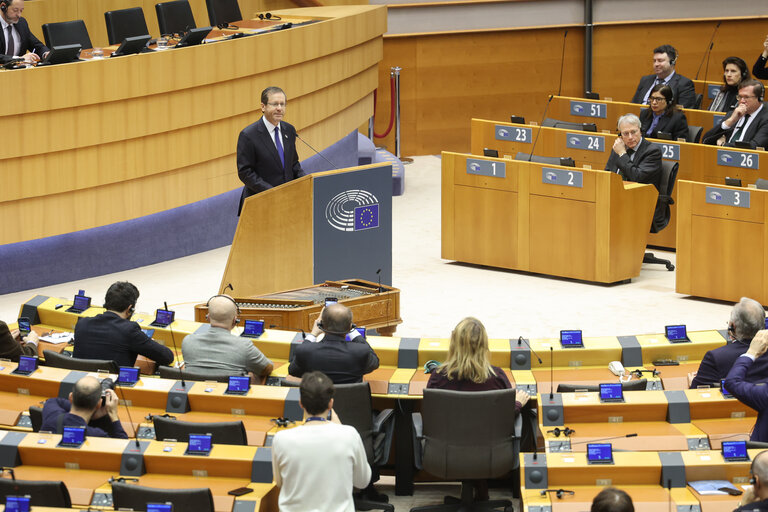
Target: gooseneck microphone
x=378 y=274
x=708 y=52
x=538 y=132
x=521 y=340
x=551 y=373
x=128 y=411
x=175 y=348
x=335 y=168
x=562 y=65
x=612 y=438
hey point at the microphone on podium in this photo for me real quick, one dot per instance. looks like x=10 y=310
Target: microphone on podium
x=335 y=167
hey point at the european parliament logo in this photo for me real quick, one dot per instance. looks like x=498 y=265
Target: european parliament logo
x=575 y=141
x=353 y=210
x=551 y=177
x=726 y=158
x=715 y=196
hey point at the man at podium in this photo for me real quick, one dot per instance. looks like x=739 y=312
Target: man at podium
x=266 y=149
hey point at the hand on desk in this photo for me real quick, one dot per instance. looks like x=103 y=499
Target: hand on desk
x=522 y=397
x=31 y=58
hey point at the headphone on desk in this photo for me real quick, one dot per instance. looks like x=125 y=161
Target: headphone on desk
x=269 y=16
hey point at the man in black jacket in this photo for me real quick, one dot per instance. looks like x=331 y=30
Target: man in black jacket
x=664 y=60
x=345 y=362
x=756 y=498
x=16 y=39
x=747 y=123
x=111 y=335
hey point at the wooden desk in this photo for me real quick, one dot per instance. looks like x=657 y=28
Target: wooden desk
x=523 y=219
x=711 y=259
x=698 y=162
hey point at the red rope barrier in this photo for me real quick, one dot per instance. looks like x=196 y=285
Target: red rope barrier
x=391 y=108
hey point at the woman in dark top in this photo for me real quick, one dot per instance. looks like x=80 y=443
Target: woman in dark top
x=663 y=115
x=759 y=68
x=467 y=366
x=734 y=72
x=12 y=345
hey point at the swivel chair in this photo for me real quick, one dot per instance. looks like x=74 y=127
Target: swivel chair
x=125 y=23
x=42 y=493
x=223 y=432
x=74 y=363
x=694 y=133
x=174 y=17
x=668 y=177
x=223 y=12
x=66 y=32
x=135 y=497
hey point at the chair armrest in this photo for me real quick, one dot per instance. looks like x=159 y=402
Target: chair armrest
x=518 y=427
x=418 y=431
x=382 y=419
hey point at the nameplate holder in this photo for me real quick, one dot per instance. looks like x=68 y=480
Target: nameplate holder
x=238 y=412
x=727 y=197
x=738 y=414
x=552 y=176
x=513 y=133
x=23 y=391
x=127 y=403
x=712 y=91
x=741 y=479
x=589 y=109
x=742 y=159
x=615 y=419
x=683 y=357
x=71 y=465
x=575 y=363
x=200 y=473
x=486 y=168
x=603 y=482
x=588 y=142
x=669 y=151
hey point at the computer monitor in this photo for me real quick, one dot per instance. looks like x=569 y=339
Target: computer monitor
x=361 y=331
x=199 y=444
x=17 y=503
x=238 y=385
x=132 y=45
x=159 y=507
x=611 y=392
x=253 y=328
x=735 y=451
x=493 y=153
x=72 y=437
x=128 y=376
x=27 y=365
x=194 y=37
x=725 y=392
x=599 y=453
x=62 y=55
x=676 y=333
x=163 y=318
x=571 y=339
x=79 y=304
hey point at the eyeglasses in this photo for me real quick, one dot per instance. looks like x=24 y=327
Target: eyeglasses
x=276 y=105
x=655 y=99
x=740 y=97
x=627 y=133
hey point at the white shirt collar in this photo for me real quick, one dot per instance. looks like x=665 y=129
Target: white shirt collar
x=271 y=127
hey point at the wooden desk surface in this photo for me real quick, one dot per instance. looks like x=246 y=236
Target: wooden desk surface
x=651 y=436
x=645 y=498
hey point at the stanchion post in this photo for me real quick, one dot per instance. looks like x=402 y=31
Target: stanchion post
x=395 y=72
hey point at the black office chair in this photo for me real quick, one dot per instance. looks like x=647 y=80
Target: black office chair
x=127 y=496
x=761 y=184
x=668 y=177
x=174 y=17
x=573 y=387
x=223 y=432
x=36 y=417
x=478 y=443
x=42 y=493
x=556 y=123
x=697 y=103
x=223 y=12
x=352 y=402
x=756 y=445
x=125 y=23
x=167 y=372
x=694 y=133
x=66 y=32
x=551 y=160
x=73 y=363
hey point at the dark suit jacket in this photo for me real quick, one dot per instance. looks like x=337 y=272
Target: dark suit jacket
x=258 y=163
x=108 y=336
x=756 y=506
x=345 y=362
x=682 y=88
x=27 y=41
x=757 y=133
x=753 y=395
x=758 y=70
x=12 y=349
x=731 y=100
x=644 y=168
x=676 y=124
x=716 y=364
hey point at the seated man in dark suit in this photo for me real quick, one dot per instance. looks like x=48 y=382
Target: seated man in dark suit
x=636 y=159
x=664 y=60
x=747 y=317
x=12 y=345
x=751 y=394
x=266 y=149
x=111 y=335
x=345 y=362
x=21 y=38
x=748 y=122
x=755 y=498
x=85 y=408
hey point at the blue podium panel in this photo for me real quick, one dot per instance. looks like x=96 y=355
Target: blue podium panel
x=352 y=235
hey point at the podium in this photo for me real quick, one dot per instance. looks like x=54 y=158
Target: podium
x=547 y=219
x=326 y=226
x=721 y=240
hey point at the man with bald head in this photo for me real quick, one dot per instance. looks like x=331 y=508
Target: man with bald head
x=87 y=406
x=217 y=350
x=345 y=362
x=747 y=317
x=756 y=498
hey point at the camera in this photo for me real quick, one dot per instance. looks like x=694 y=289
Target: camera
x=105 y=385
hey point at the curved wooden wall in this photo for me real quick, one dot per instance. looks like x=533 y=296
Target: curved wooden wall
x=106 y=141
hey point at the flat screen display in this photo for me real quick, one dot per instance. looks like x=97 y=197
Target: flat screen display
x=676 y=333
x=17 y=503
x=571 y=339
x=239 y=385
x=724 y=391
x=253 y=328
x=164 y=317
x=599 y=453
x=199 y=444
x=81 y=302
x=27 y=365
x=128 y=375
x=148 y=332
x=735 y=450
x=611 y=392
x=159 y=507
x=360 y=331
x=73 y=436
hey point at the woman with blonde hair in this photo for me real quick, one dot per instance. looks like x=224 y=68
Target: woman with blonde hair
x=468 y=367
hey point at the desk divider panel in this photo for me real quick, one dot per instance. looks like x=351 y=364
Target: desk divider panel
x=408 y=353
x=672 y=469
x=631 y=351
x=9 y=449
x=261 y=470
x=69 y=381
x=678 y=410
x=291 y=408
x=29 y=308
